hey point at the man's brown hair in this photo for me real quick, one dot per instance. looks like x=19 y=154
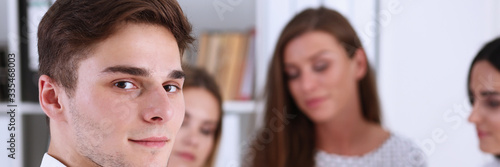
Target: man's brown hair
x=71 y=28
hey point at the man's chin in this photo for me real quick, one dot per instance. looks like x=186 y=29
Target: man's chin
x=153 y=158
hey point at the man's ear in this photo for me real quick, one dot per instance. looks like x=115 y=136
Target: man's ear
x=361 y=63
x=49 y=94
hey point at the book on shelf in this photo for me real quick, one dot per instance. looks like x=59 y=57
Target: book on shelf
x=3 y=76
x=230 y=58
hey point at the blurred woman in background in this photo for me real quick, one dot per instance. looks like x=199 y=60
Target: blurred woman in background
x=484 y=95
x=322 y=106
x=198 y=138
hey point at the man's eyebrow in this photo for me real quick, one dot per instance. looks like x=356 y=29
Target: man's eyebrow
x=127 y=70
x=177 y=74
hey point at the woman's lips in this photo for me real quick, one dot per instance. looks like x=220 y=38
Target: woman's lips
x=481 y=134
x=186 y=156
x=152 y=142
x=313 y=103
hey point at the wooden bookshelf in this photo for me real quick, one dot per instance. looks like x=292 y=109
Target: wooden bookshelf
x=229 y=58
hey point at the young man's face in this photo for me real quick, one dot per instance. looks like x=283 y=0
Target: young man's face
x=128 y=106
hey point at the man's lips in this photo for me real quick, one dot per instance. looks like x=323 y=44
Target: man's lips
x=187 y=156
x=153 y=142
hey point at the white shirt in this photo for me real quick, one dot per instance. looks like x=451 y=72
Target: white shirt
x=395 y=151
x=49 y=161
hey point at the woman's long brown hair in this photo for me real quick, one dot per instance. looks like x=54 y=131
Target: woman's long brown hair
x=288 y=138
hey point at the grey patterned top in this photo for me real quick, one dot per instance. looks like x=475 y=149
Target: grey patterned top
x=494 y=163
x=396 y=151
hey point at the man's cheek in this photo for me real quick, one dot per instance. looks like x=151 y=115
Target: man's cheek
x=124 y=111
x=180 y=109
x=178 y=118
x=106 y=127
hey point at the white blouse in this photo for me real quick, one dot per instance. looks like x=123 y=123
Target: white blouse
x=396 y=151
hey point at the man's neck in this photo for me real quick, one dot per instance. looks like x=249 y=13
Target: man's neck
x=65 y=152
x=69 y=157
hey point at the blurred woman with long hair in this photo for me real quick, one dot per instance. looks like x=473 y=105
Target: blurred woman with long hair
x=322 y=106
x=198 y=138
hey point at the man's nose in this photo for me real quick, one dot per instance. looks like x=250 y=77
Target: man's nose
x=157 y=106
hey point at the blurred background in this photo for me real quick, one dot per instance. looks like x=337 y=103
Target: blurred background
x=420 y=50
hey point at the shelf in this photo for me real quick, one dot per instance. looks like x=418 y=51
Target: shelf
x=30 y=108
x=239 y=107
x=230 y=107
x=24 y=108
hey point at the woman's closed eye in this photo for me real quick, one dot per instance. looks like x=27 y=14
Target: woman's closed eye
x=206 y=131
x=492 y=103
x=292 y=73
x=320 y=66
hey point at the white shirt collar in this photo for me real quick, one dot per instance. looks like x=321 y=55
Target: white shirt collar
x=49 y=161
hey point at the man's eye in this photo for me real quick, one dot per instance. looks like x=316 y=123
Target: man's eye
x=171 y=88
x=124 y=85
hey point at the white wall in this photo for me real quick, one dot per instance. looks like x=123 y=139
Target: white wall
x=426 y=49
x=219 y=15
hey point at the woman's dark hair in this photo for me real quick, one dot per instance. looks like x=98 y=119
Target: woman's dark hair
x=198 y=78
x=294 y=144
x=490 y=53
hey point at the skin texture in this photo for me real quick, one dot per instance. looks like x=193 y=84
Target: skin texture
x=195 y=139
x=323 y=81
x=485 y=87
x=127 y=106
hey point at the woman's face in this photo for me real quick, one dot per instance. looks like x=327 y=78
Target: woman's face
x=195 y=139
x=485 y=87
x=322 y=79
